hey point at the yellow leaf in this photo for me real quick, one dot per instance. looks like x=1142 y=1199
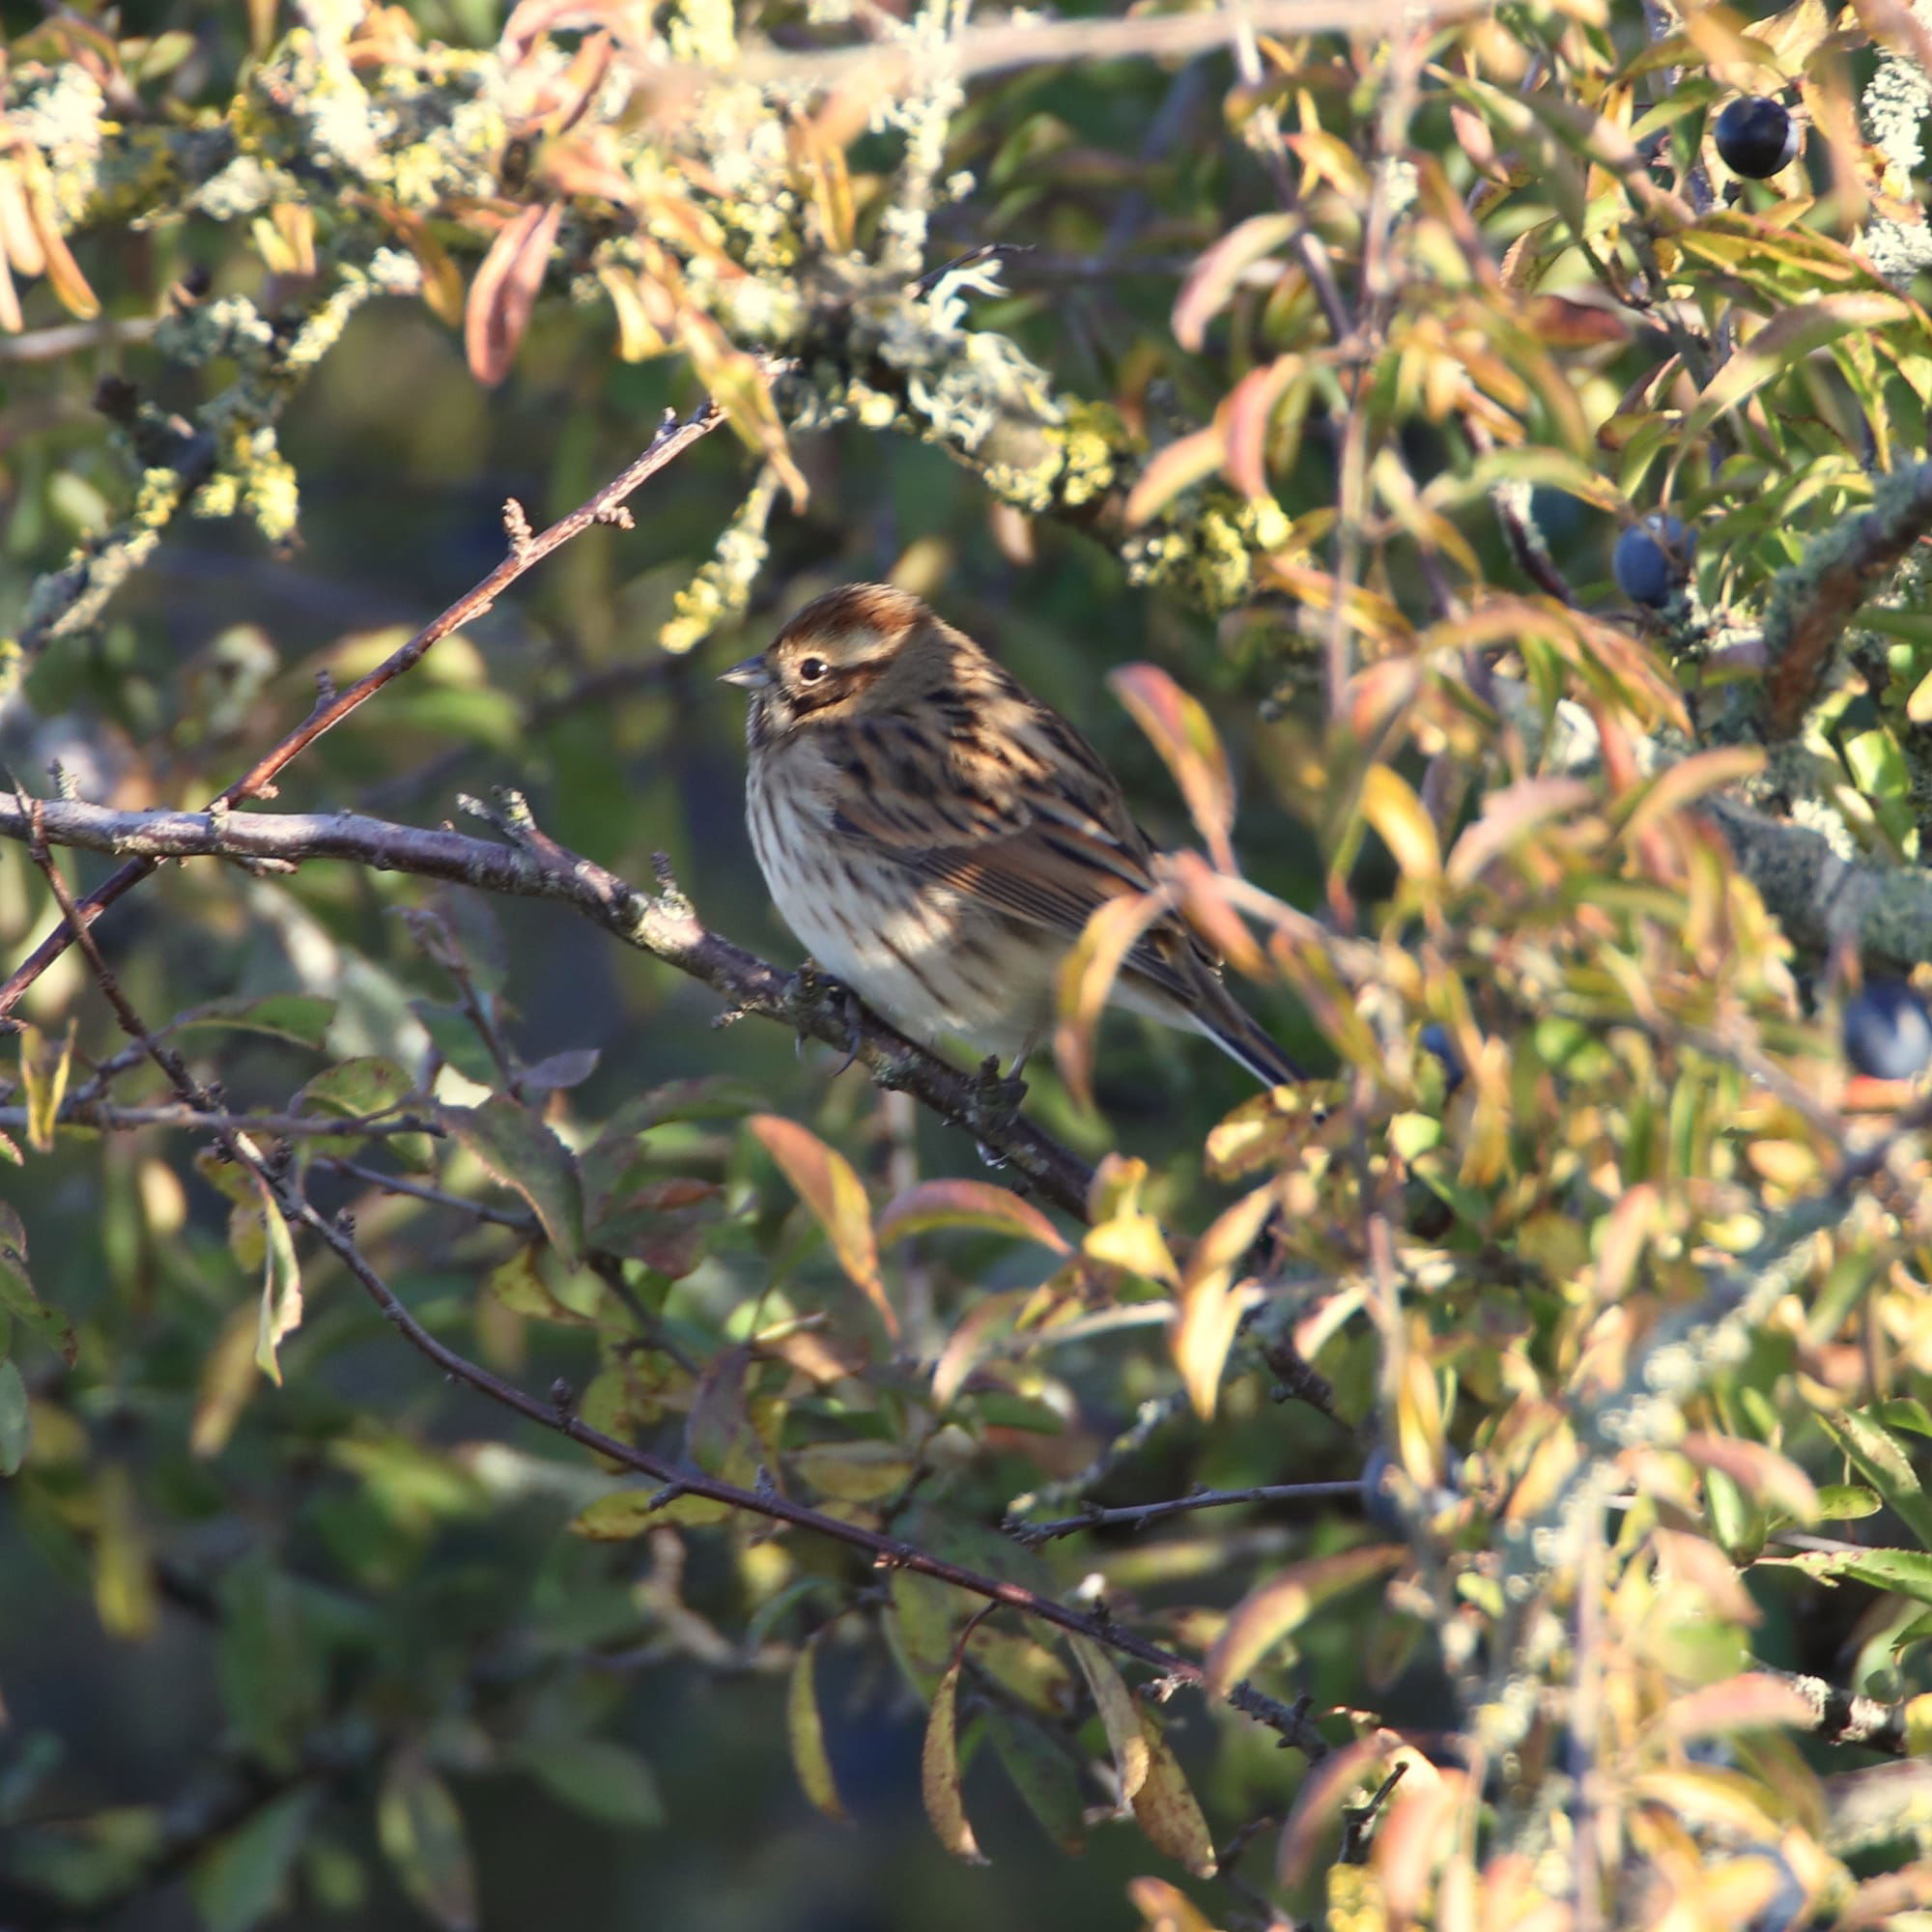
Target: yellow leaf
x=806 y=1731
x=1117 y=1717
x=1209 y=1311
x=281 y=1288
x=939 y=1773
x=1786 y=340
x=1165 y=1806
x=1403 y=823
x=43 y=1073
x=967 y=1204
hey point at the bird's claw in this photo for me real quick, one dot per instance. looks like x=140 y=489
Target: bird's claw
x=992 y=1105
x=812 y=995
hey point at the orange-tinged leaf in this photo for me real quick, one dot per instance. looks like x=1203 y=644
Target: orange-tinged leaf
x=505 y=289
x=1280 y=1606
x=1510 y=816
x=1752 y=1701
x=1179 y=729
x=1246 y=416
x=1626 y=1229
x=966 y=1347
x=1086 y=981
x=837 y=1198
x=1329 y=1786
x=939 y=1772
x=1688 y=780
x=1118 y=1715
x=1209 y=1311
x=63 y=271
x=805 y=1729
x=966 y=1204
x=1165 y=1806
x=1212 y=279
x=1758 y=1469
x=1180 y=466
x=1165 y=1908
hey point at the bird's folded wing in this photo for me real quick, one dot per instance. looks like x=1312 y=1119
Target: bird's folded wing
x=1043 y=859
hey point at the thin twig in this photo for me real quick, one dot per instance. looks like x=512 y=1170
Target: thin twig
x=1140 y=1515
x=258 y=782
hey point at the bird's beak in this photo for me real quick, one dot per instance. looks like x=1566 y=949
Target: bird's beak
x=753 y=674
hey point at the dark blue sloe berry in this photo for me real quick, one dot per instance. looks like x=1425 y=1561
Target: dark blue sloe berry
x=1652 y=559
x=1434 y=1039
x=1888 y=1032
x=1756 y=137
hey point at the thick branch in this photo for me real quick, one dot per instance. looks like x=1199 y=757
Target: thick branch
x=1819 y=898
x=665 y=925
x=1814 y=600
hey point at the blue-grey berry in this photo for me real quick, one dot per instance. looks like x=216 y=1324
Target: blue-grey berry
x=1888 y=1032
x=1651 y=561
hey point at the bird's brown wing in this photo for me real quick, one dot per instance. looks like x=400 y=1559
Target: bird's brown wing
x=1040 y=834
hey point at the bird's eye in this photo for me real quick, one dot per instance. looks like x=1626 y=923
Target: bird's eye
x=812 y=669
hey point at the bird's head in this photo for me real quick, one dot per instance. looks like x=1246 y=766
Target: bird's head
x=845 y=655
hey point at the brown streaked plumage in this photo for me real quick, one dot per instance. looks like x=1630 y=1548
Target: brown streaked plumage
x=939 y=838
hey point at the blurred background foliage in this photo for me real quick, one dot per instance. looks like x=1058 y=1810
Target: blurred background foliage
x=328 y=1652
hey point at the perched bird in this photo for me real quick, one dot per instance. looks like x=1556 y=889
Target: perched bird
x=939 y=838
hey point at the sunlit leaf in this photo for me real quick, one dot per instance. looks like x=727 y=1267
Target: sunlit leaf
x=1117 y=1717
x=837 y=1198
x=1179 y=727
x=966 y=1204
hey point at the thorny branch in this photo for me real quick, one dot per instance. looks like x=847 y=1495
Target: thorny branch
x=258 y=782
x=665 y=925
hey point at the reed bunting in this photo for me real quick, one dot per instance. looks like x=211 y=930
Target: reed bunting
x=939 y=838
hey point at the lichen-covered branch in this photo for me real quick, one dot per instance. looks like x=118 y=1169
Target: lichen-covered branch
x=1822 y=898
x=1814 y=600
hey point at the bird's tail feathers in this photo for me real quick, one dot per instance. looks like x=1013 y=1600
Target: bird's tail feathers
x=1242 y=1038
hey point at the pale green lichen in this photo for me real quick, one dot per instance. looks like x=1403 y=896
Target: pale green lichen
x=1895 y=105
x=722 y=591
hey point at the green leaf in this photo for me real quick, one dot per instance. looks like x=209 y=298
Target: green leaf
x=1042 y=1774
x=422 y=1836
x=605 y=1781
x=357 y=1090
x=1908 y=1573
x=805 y=1732
x=282 y=1289
x=17 y=1291
x=1787 y=339
x=302 y=1017
x=45 y=1067
x=522 y=1153
x=242 y=1879
x=15 y=1419
x=1885 y=1463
